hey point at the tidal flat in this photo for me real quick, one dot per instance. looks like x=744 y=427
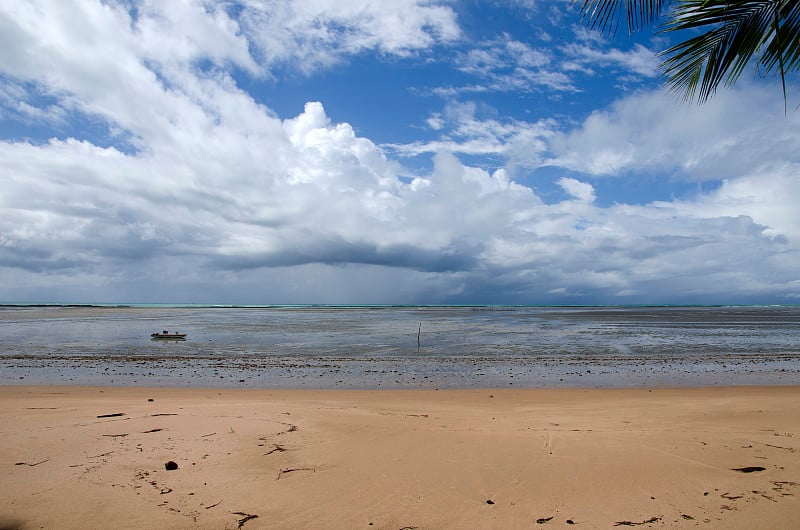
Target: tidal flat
x=401 y=347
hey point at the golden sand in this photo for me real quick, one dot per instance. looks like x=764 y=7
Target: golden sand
x=82 y=458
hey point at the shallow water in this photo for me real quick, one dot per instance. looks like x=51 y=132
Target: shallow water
x=401 y=347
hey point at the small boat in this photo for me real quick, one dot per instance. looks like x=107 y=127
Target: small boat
x=166 y=335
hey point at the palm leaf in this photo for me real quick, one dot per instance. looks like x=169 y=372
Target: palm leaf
x=732 y=34
x=739 y=31
x=605 y=15
x=786 y=45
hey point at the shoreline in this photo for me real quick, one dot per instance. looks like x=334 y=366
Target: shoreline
x=389 y=459
x=387 y=375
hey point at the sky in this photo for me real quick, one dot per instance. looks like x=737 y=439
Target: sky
x=380 y=152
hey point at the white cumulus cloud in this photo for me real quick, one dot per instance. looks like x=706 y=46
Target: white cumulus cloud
x=198 y=188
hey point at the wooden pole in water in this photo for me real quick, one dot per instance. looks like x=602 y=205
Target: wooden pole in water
x=419 y=332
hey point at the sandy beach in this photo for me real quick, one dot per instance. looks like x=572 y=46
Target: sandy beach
x=78 y=457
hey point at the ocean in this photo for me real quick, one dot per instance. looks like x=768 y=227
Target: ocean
x=393 y=347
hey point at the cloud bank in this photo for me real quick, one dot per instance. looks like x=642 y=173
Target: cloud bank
x=179 y=185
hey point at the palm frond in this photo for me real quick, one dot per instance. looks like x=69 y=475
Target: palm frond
x=739 y=31
x=724 y=37
x=786 y=45
x=605 y=15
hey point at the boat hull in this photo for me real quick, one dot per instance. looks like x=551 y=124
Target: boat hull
x=168 y=336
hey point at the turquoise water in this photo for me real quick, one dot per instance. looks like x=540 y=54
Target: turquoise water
x=400 y=346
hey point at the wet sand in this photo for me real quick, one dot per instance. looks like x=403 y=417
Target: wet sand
x=78 y=457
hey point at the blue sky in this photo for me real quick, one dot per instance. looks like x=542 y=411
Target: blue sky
x=364 y=151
